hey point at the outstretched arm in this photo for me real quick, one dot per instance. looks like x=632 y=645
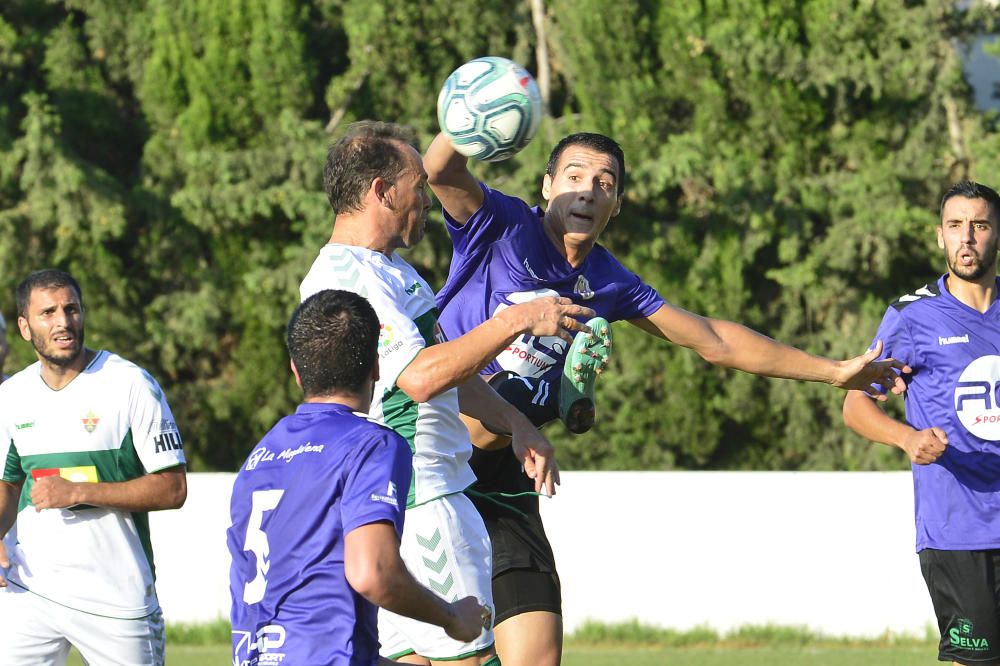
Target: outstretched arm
x=450 y=180
x=440 y=367
x=733 y=345
x=866 y=418
x=375 y=570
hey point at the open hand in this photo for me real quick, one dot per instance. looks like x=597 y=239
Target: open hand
x=547 y=316
x=861 y=372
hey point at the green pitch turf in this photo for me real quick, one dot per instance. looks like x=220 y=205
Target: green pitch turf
x=212 y=655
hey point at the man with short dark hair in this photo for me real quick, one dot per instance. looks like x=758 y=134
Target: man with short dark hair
x=508 y=252
x=89 y=447
x=949 y=334
x=376 y=186
x=317 y=509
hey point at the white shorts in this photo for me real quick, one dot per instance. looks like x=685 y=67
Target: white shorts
x=447 y=549
x=37 y=632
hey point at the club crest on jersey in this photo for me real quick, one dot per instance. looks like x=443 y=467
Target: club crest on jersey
x=90 y=421
x=583 y=288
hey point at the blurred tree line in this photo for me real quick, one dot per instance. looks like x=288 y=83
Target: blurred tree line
x=785 y=157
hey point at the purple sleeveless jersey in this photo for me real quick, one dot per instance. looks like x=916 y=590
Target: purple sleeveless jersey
x=503 y=257
x=317 y=475
x=954 y=351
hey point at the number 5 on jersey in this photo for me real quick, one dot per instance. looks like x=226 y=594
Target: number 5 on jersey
x=256 y=542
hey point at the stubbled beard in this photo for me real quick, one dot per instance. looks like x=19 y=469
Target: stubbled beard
x=978 y=269
x=62 y=361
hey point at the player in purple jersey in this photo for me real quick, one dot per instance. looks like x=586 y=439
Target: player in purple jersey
x=317 y=510
x=949 y=333
x=507 y=252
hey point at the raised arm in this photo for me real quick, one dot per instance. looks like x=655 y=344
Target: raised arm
x=866 y=418
x=733 y=345
x=450 y=180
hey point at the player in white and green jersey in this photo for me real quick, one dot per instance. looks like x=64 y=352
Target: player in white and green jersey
x=376 y=185
x=89 y=447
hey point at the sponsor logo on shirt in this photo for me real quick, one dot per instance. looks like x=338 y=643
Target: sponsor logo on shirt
x=23 y=426
x=953 y=339
x=90 y=421
x=386 y=341
x=263 y=454
x=389 y=497
x=168 y=441
x=288 y=454
x=976 y=397
x=583 y=288
x=259 y=649
x=516 y=351
x=85 y=474
x=259 y=455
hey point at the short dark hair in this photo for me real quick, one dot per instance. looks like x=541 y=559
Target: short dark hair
x=369 y=150
x=47 y=278
x=972 y=190
x=598 y=142
x=333 y=338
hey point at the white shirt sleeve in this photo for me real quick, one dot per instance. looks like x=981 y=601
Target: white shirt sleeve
x=399 y=338
x=154 y=434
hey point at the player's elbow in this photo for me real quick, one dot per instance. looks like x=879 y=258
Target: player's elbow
x=365 y=577
x=716 y=353
x=848 y=412
x=174 y=492
x=418 y=385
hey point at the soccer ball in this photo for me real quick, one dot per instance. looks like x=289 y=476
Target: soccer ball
x=490 y=108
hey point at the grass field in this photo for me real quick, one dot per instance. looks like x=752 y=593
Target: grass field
x=215 y=655
x=635 y=644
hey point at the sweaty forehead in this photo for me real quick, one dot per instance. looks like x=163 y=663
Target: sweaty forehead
x=587 y=158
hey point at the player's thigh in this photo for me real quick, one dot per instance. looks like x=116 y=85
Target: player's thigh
x=108 y=641
x=530 y=639
x=526 y=590
x=966 y=603
x=529 y=617
x=30 y=633
x=447 y=549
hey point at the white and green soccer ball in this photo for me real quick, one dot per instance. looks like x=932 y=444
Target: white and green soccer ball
x=490 y=108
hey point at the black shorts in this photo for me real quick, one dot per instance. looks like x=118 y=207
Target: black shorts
x=517 y=591
x=965 y=590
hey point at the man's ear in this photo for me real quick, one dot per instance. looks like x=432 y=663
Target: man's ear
x=295 y=371
x=382 y=191
x=546 y=186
